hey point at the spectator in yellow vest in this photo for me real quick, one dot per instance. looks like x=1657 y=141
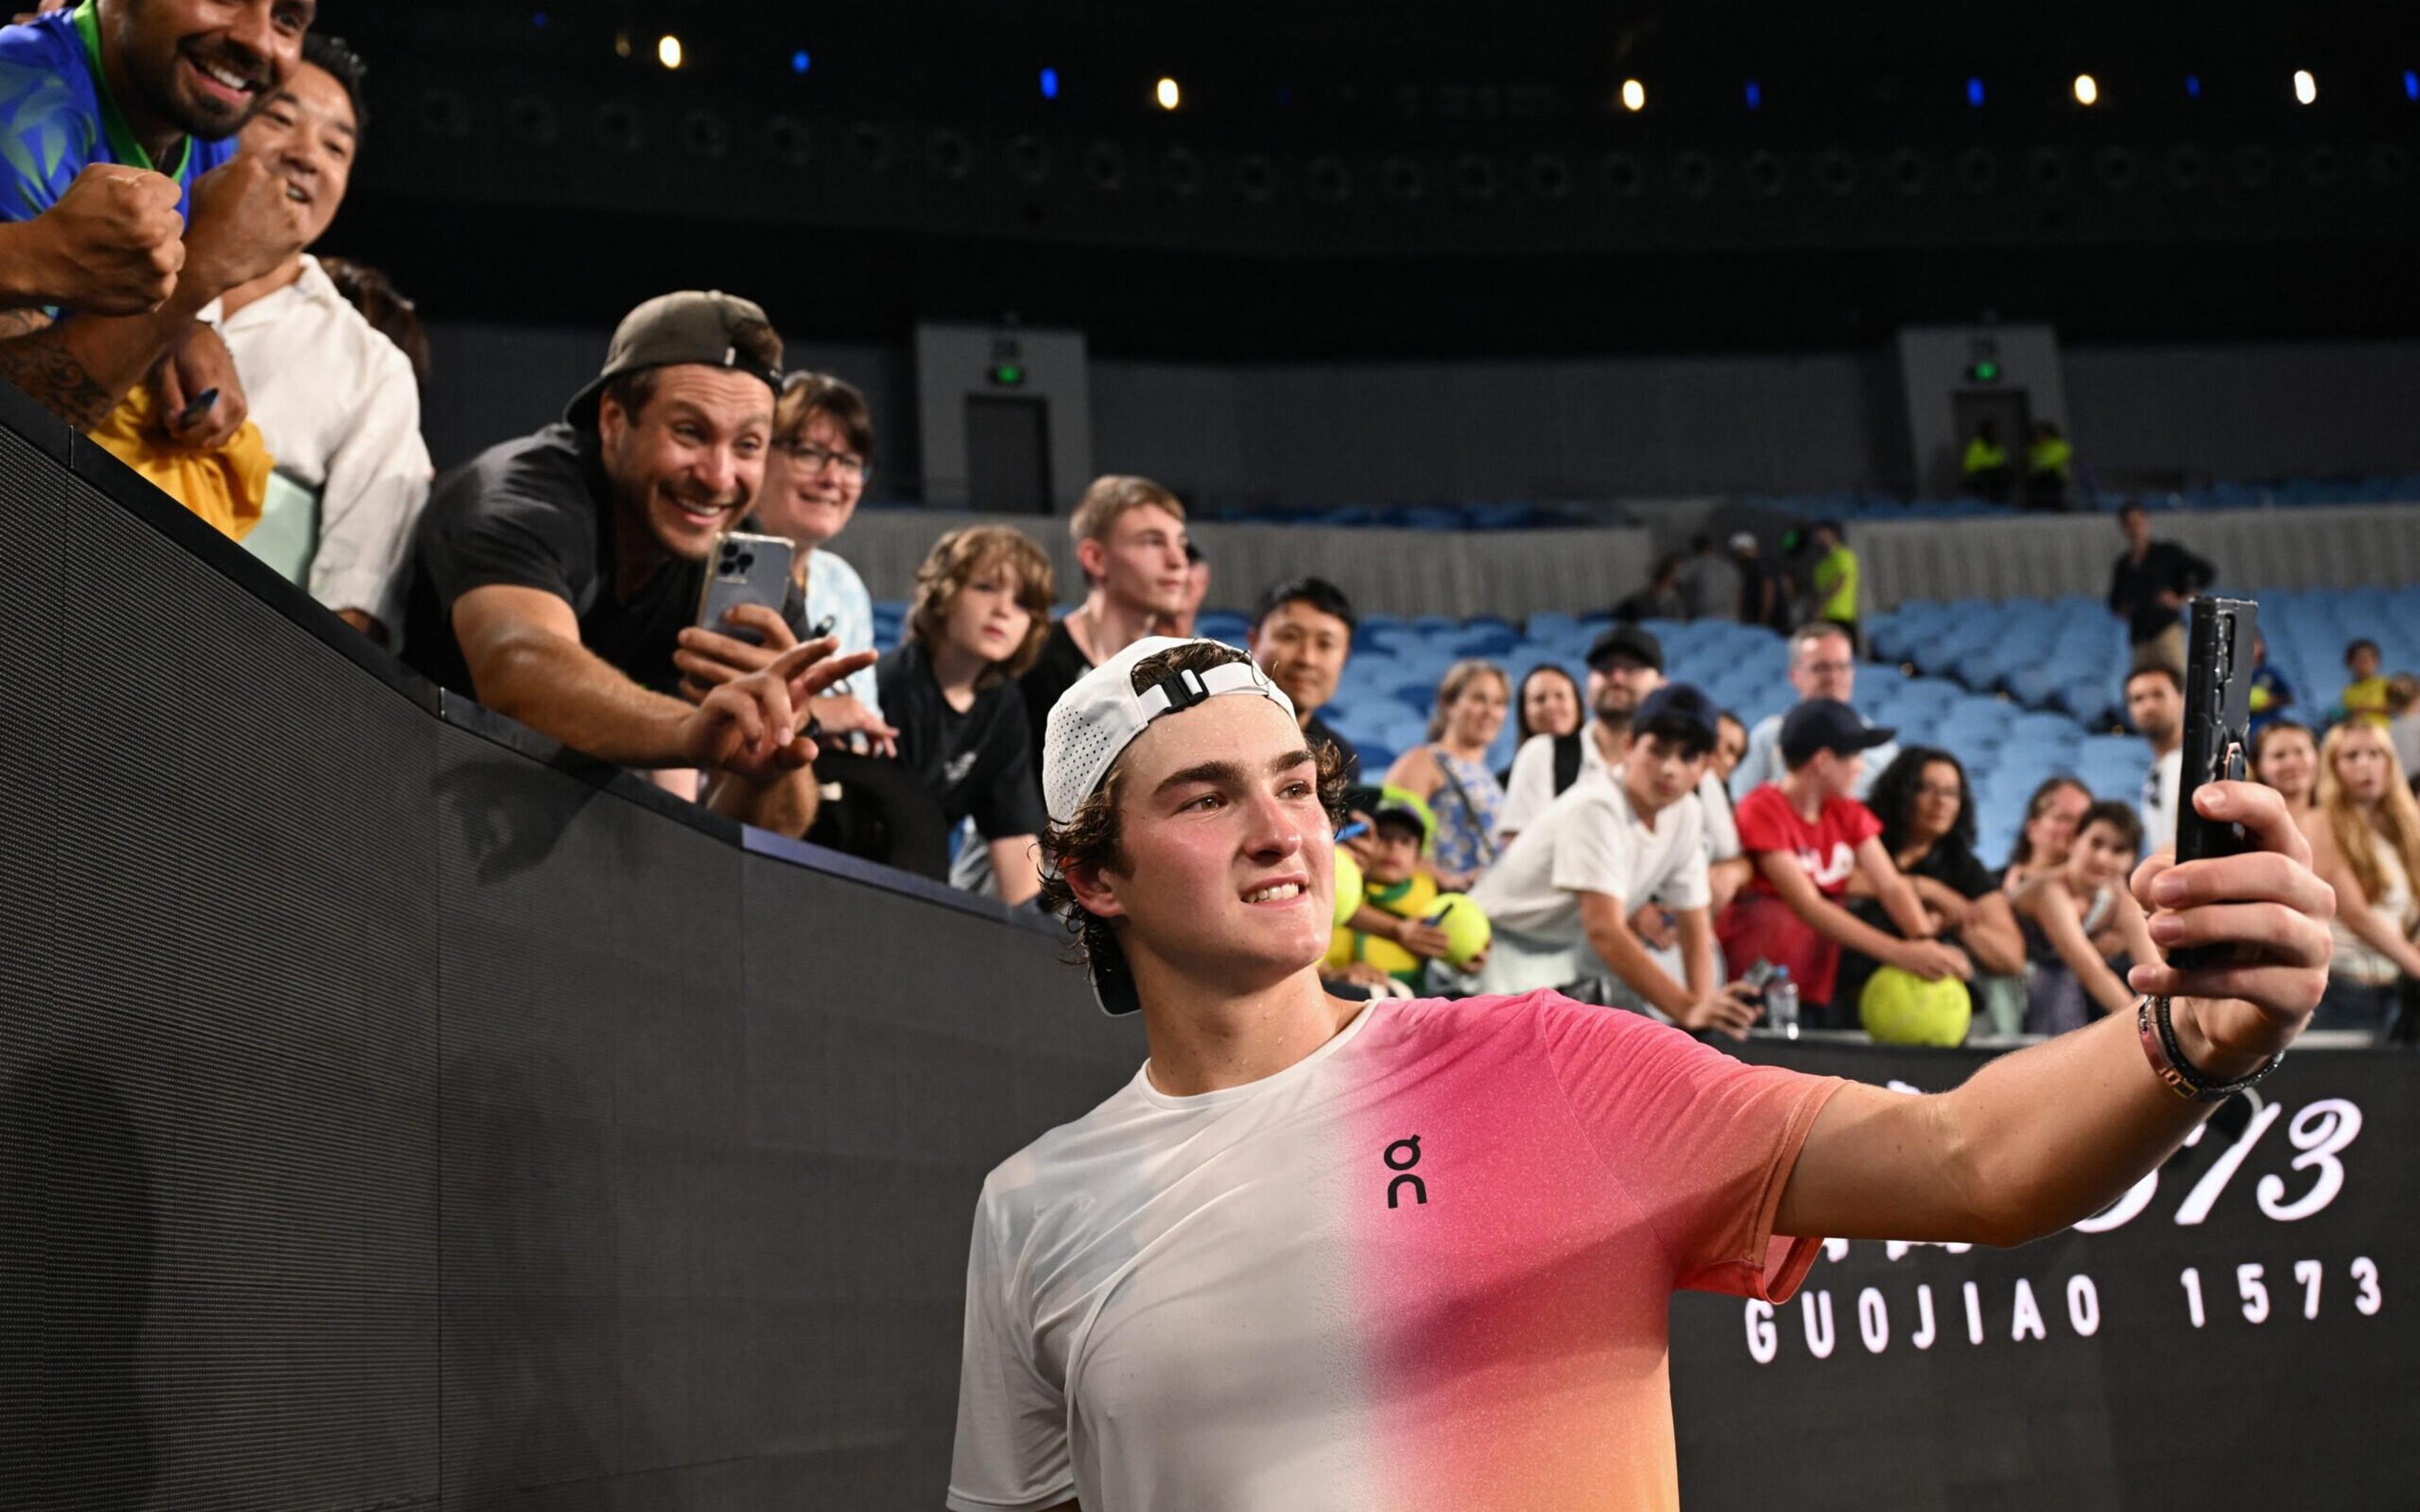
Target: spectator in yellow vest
x=1835 y=577
x=2365 y=696
x=2050 y=464
x=1986 y=466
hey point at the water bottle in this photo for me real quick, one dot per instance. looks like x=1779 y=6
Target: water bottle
x=1781 y=1004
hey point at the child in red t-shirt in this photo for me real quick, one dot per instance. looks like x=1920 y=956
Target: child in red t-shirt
x=1807 y=834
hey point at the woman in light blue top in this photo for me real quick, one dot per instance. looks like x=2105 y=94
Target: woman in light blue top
x=815 y=474
x=1450 y=771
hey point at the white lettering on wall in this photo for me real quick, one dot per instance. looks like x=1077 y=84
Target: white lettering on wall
x=2028 y=1314
x=2321 y=1132
x=2255 y=1292
x=1763 y=1339
x=2082 y=1306
x=2368 y=1300
x=1819 y=1336
x=1873 y=1320
x=2192 y=1279
x=1974 y=1313
x=2204 y=1194
x=1923 y=1336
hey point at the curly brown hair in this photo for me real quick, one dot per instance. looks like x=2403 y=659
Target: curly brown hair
x=1090 y=836
x=958 y=558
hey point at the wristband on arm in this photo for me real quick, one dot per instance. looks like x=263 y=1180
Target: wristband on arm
x=2153 y=1026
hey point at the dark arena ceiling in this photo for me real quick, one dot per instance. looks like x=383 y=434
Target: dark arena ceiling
x=1407 y=177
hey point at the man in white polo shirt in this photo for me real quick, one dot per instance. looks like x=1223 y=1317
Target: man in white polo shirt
x=1561 y=896
x=337 y=400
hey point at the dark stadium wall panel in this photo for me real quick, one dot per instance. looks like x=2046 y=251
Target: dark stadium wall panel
x=395 y=1111
x=1312 y=435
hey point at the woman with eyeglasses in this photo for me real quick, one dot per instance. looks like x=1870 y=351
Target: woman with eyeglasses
x=815 y=474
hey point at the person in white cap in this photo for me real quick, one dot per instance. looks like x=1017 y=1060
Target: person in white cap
x=1418 y=1254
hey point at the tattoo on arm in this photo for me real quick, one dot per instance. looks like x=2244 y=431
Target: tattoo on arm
x=43 y=365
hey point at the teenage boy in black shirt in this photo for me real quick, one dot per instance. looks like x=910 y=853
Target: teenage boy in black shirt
x=556 y=571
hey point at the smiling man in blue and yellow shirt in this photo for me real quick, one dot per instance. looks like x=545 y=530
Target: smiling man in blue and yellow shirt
x=154 y=87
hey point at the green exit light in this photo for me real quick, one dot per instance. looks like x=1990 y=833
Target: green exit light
x=1008 y=374
x=1984 y=372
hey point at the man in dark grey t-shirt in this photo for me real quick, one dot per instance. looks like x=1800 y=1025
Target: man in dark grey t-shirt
x=556 y=572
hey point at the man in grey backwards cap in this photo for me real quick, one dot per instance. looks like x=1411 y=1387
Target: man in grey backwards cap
x=556 y=572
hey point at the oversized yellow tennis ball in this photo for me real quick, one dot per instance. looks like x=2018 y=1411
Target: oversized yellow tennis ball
x=1900 y=1008
x=1466 y=930
x=1348 y=885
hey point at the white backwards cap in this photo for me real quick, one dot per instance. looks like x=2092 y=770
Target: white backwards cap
x=1095 y=721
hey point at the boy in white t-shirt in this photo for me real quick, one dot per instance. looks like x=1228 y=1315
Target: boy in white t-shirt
x=1418 y=1254
x=1559 y=895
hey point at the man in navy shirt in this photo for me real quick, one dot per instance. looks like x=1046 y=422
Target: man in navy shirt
x=155 y=87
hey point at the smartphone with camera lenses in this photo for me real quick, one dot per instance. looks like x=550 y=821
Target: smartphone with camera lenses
x=743 y=569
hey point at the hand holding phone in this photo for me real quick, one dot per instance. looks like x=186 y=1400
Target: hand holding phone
x=2217 y=732
x=743 y=569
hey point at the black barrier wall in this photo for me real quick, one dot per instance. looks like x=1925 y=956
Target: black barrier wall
x=395 y=1112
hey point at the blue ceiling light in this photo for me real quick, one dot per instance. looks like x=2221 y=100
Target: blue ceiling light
x=1975 y=93
x=1755 y=95
x=2192 y=87
x=1050 y=83
x=800 y=62
x=538 y=19
x=2410 y=84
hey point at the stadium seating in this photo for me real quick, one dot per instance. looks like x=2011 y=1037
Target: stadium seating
x=1391 y=682
x=1845 y=504
x=2019 y=690
x=2068 y=655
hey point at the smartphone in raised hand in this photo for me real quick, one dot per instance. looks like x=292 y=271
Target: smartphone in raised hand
x=743 y=569
x=2217 y=731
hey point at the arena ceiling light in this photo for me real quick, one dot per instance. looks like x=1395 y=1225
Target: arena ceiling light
x=668 y=51
x=2306 y=88
x=1634 y=95
x=2088 y=92
x=1169 y=95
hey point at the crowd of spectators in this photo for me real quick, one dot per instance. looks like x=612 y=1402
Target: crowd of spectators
x=158 y=291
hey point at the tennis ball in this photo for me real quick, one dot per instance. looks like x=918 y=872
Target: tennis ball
x=1466 y=930
x=1900 y=1008
x=1348 y=885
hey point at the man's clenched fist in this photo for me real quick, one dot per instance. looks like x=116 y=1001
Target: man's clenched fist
x=112 y=245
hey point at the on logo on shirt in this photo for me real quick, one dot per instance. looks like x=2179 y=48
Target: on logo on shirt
x=1395 y=1187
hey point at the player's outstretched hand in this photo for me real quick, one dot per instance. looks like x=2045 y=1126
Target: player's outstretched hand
x=2266 y=908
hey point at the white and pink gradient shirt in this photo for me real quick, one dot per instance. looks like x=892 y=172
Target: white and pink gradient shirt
x=1428 y=1266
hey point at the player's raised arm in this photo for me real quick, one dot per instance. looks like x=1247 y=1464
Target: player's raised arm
x=2039 y=1139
